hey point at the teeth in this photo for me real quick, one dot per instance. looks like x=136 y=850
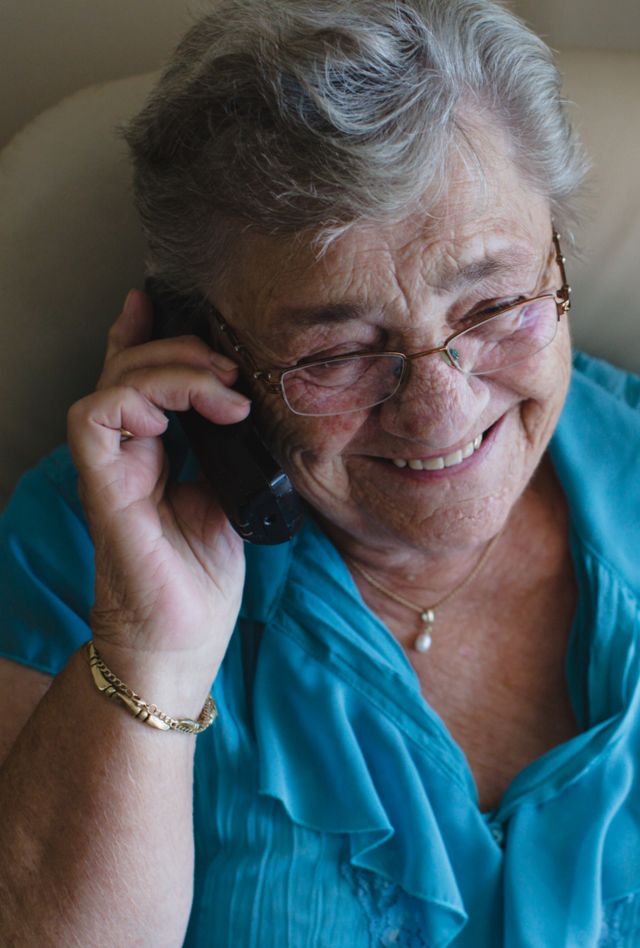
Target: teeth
x=437 y=464
x=468 y=450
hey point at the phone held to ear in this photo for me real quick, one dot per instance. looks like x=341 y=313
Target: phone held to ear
x=254 y=492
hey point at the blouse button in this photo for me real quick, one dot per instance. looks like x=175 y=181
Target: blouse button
x=391 y=936
x=498 y=833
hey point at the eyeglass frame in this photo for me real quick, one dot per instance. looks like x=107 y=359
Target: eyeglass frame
x=272 y=377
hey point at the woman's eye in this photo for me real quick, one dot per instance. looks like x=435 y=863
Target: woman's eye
x=334 y=352
x=485 y=310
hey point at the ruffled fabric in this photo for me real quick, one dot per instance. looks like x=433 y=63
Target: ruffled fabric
x=348 y=745
x=359 y=761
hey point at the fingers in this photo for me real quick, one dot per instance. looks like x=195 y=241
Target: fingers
x=141 y=381
x=129 y=346
x=181 y=387
x=95 y=422
x=173 y=374
x=188 y=350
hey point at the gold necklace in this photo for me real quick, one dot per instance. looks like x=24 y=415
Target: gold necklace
x=427 y=614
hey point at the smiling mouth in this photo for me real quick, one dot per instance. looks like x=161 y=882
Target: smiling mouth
x=444 y=460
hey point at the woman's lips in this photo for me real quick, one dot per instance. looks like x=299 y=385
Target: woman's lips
x=447 y=470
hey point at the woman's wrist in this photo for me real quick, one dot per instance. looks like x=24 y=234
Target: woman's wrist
x=146 y=712
x=178 y=683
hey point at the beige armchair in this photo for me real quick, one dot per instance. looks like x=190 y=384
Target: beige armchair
x=70 y=246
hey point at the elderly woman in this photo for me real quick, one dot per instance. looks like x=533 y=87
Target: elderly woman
x=428 y=729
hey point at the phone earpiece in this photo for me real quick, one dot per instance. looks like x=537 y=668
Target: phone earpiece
x=254 y=492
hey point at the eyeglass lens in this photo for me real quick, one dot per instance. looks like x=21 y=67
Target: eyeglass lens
x=342 y=385
x=506 y=339
x=347 y=384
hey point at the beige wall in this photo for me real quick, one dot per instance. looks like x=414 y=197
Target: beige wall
x=601 y=24
x=50 y=48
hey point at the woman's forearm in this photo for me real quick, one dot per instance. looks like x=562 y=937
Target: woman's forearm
x=95 y=825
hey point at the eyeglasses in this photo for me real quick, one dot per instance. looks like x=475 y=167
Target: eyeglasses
x=360 y=380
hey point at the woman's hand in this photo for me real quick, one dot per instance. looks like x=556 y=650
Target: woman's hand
x=169 y=567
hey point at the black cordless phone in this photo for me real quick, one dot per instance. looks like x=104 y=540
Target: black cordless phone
x=254 y=492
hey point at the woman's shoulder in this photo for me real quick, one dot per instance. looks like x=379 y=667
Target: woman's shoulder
x=620 y=383
x=600 y=422
x=46 y=567
x=595 y=454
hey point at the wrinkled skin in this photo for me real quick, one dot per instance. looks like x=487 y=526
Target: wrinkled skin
x=400 y=275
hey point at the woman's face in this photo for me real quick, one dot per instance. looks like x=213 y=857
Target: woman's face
x=406 y=287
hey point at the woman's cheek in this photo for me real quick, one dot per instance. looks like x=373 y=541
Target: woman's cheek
x=545 y=395
x=297 y=441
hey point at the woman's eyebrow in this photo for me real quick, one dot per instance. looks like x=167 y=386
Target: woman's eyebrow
x=482 y=269
x=476 y=271
x=342 y=312
x=305 y=316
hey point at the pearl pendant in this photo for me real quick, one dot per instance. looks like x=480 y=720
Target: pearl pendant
x=423 y=641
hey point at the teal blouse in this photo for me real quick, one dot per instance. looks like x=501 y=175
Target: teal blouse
x=332 y=807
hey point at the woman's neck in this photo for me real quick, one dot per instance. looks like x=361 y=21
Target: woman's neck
x=425 y=574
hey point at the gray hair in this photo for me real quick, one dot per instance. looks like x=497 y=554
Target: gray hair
x=309 y=116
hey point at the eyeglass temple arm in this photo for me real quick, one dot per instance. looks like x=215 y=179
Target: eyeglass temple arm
x=260 y=375
x=564 y=294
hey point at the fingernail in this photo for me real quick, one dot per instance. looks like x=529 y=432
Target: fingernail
x=222 y=362
x=237 y=397
x=128 y=302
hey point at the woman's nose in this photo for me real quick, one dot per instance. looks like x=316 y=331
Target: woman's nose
x=436 y=404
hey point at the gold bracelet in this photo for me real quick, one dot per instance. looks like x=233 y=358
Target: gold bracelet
x=110 y=685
